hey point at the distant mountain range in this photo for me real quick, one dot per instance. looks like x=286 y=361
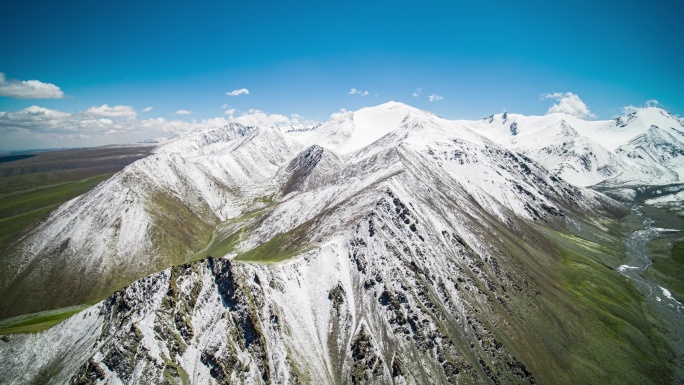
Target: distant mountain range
x=387 y=245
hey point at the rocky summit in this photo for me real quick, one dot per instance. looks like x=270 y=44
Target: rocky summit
x=387 y=245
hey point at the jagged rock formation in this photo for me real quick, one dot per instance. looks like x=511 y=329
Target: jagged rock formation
x=385 y=246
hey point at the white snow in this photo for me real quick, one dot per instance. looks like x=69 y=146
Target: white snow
x=220 y=174
x=666 y=292
x=663 y=230
x=627 y=267
x=372 y=124
x=586 y=152
x=353 y=131
x=666 y=199
x=624 y=193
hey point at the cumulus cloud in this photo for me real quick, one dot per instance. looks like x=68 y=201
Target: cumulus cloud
x=355 y=91
x=42 y=120
x=39 y=127
x=111 y=112
x=28 y=89
x=241 y=91
x=435 y=98
x=254 y=117
x=417 y=92
x=171 y=127
x=299 y=121
x=39 y=117
x=568 y=103
x=147 y=109
x=296 y=118
x=183 y=112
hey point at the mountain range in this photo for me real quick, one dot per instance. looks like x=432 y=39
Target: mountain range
x=387 y=245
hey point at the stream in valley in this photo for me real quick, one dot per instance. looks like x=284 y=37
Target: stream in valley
x=668 y=309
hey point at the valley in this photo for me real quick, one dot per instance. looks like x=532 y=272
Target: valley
x=386 y=245
x=648 y=251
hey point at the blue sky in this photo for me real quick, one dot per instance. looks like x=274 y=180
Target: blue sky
x=304 y=57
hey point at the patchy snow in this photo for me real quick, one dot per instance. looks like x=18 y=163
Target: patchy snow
x=666 y=293
x=663 y=230
x=627 y=194
x=666 y=199
x=394 y=196
x=626 y=267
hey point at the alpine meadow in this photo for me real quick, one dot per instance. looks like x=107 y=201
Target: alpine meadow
x=327 y=193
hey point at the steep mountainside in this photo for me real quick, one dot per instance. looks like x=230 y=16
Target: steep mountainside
x=155 y=213
x=385 y=246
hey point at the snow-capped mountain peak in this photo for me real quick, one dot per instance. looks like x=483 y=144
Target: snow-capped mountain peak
x=387 y=245
x=202 y=138
x=352 y=131
x=587 y=152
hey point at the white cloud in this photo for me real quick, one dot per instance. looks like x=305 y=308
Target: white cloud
x=42 y=123
x=340 y=113
x=254 y=117
x=435 y=98
x=241 y=91
x=147 y=109
x=417 y=92
x=354 y=91
x=183 y=112
x=157 y=126
x=29 y=89
x=649 y=103
x=111 y=112
x=34 y=116
x=296 y=118
x=568 y=103
x=42 y=120
x=39 y=127
x=299 y=121
x=626 y=110
x=653 y=103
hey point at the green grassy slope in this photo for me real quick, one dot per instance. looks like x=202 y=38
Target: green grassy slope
x=33 y=323
x=33 y=185
x=668 y=264
x=613 y=335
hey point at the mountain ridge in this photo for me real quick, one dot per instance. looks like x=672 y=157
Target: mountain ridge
x=420 y=251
